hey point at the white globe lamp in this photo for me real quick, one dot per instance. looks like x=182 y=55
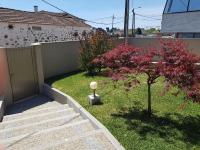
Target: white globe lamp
x=93 y=86
x=94 y=98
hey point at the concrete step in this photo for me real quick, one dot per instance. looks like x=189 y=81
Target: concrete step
x=92 y=140
x=50 y=136
x=32 y=103
x=45 y=105
x=35 y=118
x=36 y=111
x=37 y=126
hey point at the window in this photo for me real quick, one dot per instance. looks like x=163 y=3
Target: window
x=194 y=5
x=37 y=28
x=197 y=35
x=179 y=6
x=185 y=35
x=168 y=5
x=10 y=26
x=175 y=6
x=75 y=34
x=188 y=35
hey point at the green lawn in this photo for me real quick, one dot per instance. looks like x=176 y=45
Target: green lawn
x=123 y=114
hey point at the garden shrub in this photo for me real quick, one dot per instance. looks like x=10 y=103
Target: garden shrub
x=93 y=45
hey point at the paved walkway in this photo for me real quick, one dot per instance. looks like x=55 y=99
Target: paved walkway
x=41 y=124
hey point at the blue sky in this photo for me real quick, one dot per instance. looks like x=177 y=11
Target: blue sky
x=95 y=9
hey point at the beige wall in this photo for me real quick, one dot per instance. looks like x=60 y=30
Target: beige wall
x=5 y=86
x=60 y=58
x=63 y=57
x=7 y=58
x=193 y=44
x=118 y=42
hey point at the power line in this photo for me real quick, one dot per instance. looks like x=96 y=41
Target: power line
x=154 y=15
x=67 y=13
x=54 y=6
x=119 y=22
x=147 y=17
x=103 y=18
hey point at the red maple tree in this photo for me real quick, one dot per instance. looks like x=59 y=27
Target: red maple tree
x=174 y=62
x=125 y=60
x=180 y=68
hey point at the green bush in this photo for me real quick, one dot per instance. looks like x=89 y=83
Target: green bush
x=92 y=45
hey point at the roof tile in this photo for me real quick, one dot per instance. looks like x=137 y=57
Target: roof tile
x=41 y=17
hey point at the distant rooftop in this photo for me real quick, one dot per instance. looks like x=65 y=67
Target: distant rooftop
x=40 y=18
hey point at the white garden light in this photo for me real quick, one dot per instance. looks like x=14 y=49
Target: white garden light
x=93 y=86
x=94 y=98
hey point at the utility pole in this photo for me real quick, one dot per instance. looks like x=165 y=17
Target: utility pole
x=126 y=21
x=133 y=23
x=113 y=20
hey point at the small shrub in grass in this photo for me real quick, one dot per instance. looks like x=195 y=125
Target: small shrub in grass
x=92 y=45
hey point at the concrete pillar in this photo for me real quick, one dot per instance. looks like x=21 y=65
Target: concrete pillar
x=39 y=65
x=5 y=84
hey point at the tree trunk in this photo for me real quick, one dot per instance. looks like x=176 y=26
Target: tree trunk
x=149 y=100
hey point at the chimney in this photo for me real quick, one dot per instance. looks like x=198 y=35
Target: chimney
x=36 y=9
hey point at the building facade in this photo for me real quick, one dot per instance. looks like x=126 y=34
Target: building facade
x=21 y=28
x=182 y=18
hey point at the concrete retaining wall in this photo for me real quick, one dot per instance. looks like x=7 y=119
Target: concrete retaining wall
x=62 y=57
x=193 y=44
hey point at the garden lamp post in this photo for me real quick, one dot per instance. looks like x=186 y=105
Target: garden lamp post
x=93 y=86
x=94 y=98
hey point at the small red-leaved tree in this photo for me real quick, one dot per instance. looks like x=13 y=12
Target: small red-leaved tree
x=125 y=60
x=145 y=64
x=175 y=63
x=180 y=68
